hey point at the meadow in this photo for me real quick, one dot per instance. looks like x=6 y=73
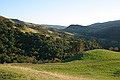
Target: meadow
x=92 y=65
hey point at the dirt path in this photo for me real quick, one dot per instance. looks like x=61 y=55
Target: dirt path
x=48 y=74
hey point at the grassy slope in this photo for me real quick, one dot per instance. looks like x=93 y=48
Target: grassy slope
x=12 y=72
x=98 y=64
x=96 y=55
x=8 y=72
x=28 y=29
x=95 y=64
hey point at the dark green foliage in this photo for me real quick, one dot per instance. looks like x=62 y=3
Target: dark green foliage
x=17 y=46
x=117 y=73
x=106 y=33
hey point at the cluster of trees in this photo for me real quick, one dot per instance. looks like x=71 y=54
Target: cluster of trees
x=16 y=46
x=114 y=49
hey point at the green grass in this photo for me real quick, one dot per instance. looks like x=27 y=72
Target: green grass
x=8 y=72
x=108 y=70
x=96 y=55
x=101 y=55
x=92 y=65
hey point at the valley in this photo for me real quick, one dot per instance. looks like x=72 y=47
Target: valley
x=31 y=51
x=60 y=40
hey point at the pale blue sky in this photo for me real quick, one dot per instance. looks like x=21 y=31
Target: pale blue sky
x=61 y=12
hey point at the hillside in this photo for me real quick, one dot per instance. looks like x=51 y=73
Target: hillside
x=77 y=29
x=96 y=64
x=35 y=28
x=22 y=43
x=9 y=72
x=54 y=26
x=96 y=55
x=24 y=23
x=34 y=25
x=106 y=24
x=93 y=28
x=100 y=55
x=107 y=33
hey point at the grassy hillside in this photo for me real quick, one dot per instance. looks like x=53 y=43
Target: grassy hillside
x=101 y=55
x=95 y=65
x=12 y=72
x=8 y=72
x=96 y=55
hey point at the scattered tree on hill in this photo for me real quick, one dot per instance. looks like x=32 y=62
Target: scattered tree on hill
x=16 y=46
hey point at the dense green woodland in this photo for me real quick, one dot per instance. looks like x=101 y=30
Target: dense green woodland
x=28 y=47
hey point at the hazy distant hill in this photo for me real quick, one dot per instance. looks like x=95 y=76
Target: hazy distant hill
x=77 y=29
x=24 y=23
x=34 y=25
x=39 y=28
x=54 y=26
x=108 y=30
x=106 y=24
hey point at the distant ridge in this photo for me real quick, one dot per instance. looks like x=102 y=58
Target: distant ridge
x=33 y=25
x=54 y=26
x=106 y=30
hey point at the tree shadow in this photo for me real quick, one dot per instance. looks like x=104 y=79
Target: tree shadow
x=75 y=57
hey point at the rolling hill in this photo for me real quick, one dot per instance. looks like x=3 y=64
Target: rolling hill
x=23 y=43
x=107 y=33
x=96 y=55
x=97 y=30
x=24 y=23
x=96 y=64
x=20 y=42
x=34 y=25
x=54 y=26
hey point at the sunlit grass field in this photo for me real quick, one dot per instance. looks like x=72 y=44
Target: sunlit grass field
x=92 y=65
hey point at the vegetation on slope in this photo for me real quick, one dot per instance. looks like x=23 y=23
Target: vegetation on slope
x=101 y=55
x=96 y=55
x=107 y=34
x=87 y=69
x=20 y=43
x=92 y=66
x=8 y=72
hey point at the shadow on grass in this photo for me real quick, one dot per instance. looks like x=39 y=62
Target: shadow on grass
x=117 y=73
x=75 y=57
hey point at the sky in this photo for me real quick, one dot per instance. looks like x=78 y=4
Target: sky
x=61 y=12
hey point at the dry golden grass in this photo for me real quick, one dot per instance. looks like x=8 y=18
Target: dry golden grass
x=32 y=74
x=27 y=29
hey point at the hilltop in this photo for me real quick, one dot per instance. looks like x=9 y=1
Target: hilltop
x=34 y=25
x=106 y=33
x=93 y=28
x=96 y=55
